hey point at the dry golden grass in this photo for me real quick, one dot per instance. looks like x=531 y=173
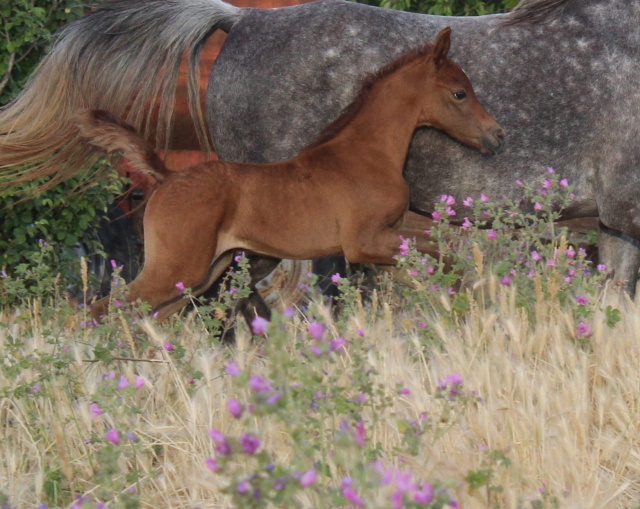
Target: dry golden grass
x=566 y=416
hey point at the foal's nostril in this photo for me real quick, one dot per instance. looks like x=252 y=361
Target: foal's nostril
x=500 y=138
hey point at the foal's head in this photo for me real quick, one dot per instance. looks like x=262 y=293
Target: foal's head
x=449 y=102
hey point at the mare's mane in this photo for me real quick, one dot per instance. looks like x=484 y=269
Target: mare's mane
x=350 y=111
x=535 y=11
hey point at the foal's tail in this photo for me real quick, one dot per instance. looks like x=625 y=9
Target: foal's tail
x=108 y=132
x=121 y=58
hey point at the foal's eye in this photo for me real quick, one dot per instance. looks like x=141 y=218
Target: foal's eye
x=460 y=95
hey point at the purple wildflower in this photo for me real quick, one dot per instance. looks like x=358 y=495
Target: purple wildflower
x=583 y=330
x=271 y=400
x=308 y=478
x=451 y=380
x=352 y=496
x=123 y=383
x=222 y=446
x=338 y=343
x=316 y=329
x=425 y=494
x=113 y=436
x=404 y=246
x=316 y=350
x=250 y=443
x=95 y=410
x=259 y=325
x=233 y=369
x=448 y=199
x=259 y=384
x=235 y=408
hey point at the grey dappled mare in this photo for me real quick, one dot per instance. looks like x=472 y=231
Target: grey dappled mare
x=561 y=76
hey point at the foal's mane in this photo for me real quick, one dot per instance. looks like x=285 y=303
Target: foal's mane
x=535 y=11
x=350 y=111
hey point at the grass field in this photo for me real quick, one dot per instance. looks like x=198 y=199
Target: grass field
x=519 y=389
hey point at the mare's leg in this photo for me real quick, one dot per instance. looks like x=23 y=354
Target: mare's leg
x=620 y=253
x=254 y=305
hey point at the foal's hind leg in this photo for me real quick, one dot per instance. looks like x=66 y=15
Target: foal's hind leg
x=217 y=268
x=176 y=255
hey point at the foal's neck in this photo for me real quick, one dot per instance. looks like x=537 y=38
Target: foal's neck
x=384 y=124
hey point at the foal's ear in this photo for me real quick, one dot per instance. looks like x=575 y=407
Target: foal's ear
x=442 y=45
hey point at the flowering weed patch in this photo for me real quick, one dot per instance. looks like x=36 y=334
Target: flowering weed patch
x=511 y=381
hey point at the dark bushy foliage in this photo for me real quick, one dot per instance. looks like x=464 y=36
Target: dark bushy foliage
x=60 y=217
x=447 y=7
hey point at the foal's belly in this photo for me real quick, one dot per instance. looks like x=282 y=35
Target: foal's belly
x=301 y=236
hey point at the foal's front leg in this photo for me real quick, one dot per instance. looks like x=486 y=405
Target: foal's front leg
x=380 y=244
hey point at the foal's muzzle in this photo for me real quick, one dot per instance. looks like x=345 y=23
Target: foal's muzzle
x=495 y=144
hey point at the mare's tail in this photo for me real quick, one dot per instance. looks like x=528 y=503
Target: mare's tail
x=106 y=131
x=121 y=58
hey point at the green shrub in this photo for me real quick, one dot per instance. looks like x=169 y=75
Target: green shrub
x=61 y=217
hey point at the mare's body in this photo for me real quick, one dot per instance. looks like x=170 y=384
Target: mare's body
x=562 y=80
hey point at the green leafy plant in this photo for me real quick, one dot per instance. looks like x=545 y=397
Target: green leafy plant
x=27 y=27
x=62 y=217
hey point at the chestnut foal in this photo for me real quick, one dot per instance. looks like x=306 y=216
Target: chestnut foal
x=345 y=193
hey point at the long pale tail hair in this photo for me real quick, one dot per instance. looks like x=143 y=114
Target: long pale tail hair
x=121 y=58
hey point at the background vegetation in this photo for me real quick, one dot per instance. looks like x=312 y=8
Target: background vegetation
x=448 y=7
x=59 y=217
x=511 y=382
